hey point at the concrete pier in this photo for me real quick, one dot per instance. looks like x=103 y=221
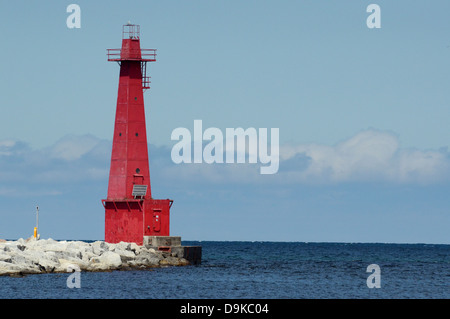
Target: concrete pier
x=173 y=245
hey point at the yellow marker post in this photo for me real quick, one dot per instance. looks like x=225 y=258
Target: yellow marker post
x=36 y=235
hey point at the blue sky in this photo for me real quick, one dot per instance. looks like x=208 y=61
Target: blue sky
x=363 y=116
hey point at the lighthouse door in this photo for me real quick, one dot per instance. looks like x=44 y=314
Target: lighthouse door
x=152 y=224
x=157 y=220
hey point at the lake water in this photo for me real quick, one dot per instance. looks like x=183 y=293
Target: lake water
x=263 y=270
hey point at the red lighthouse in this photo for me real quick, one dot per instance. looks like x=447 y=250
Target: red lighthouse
x=130 y=211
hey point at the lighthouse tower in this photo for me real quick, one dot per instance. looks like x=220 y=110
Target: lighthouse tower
x=130 y=211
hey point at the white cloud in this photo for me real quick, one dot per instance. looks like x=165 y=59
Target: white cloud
x=73 y=159
x=73 y=147
x=9 y=147
x=7 y=144
x=370 y=155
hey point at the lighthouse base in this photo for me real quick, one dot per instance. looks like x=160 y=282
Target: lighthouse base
x=158 y=241
x=172 y=244
x=129 y=220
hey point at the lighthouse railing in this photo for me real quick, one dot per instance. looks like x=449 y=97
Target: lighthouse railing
x=148 y=55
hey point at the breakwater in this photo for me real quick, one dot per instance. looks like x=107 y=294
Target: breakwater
x=31 y=256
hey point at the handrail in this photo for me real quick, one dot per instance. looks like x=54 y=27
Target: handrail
x=145 y=55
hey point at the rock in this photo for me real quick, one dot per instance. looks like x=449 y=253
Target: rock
x=25 y=261
x=87 y=255
x=47 y=255
x=13 y=246
x=5 y=257
x=99 y=247
x=151 y=260
x=112 y=259
x=135 y=248
x=49 y=264
x=35 y=260
x=78 y=245
x=56 y=247
x=173 y=261
x=107 y=261
x=125 y=255
x=122 y=246
x=66 y=264
x=9 y=268
x=70 y=253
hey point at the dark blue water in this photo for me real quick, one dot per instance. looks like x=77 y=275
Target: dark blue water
x=263 y=270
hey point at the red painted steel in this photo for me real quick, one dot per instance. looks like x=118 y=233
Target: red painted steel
x=129 y=217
